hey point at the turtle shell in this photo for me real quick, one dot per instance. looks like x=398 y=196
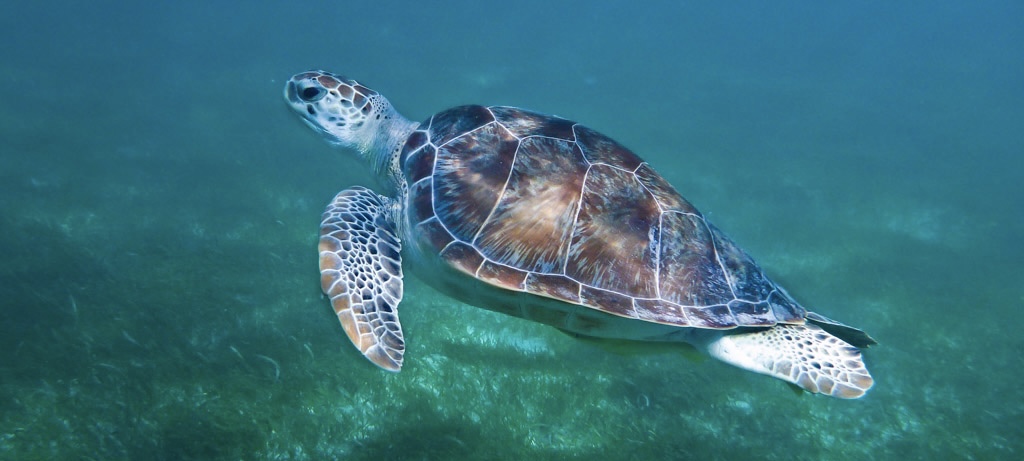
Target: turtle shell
x=539 y=204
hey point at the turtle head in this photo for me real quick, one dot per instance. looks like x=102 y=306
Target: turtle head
x=345 y=112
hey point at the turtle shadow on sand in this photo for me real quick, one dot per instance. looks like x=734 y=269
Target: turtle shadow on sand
x=430 y=434
x=192 y=434
x=437 y=440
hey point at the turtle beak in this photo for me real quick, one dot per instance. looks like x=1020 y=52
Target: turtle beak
x=291 y=96
x=289 y=92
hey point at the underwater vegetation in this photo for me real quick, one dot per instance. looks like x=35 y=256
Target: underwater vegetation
x=159 y=294
x=201 y=334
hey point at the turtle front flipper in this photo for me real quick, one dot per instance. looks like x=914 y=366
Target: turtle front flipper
x=805 y=355
x=361 y=272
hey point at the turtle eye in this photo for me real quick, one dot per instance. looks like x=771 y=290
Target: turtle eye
x=312 y=93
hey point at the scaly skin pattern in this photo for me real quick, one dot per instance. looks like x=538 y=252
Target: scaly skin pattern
x=543 y=218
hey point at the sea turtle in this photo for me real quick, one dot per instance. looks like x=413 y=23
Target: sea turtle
x=542 y=218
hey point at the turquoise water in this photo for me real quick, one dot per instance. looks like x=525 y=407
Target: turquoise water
x=159 y=296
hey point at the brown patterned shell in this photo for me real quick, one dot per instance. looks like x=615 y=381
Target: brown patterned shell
x=534 y=203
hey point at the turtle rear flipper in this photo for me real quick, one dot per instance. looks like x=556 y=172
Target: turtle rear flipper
x=805 y=355
x=361 y=272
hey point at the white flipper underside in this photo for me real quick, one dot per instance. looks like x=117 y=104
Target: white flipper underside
x=804 y=355
x=361 y=271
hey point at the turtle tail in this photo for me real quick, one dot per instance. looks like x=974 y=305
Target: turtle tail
x=856 y=337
